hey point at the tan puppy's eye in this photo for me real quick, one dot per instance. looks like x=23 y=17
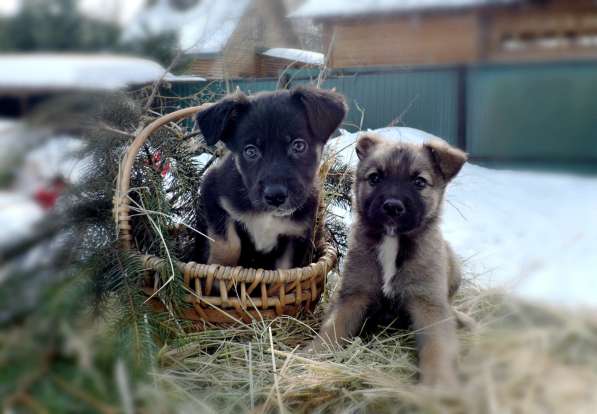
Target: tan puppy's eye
x=374 y=179
x=420 y=182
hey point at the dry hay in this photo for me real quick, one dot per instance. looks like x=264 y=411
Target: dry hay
x=522 y=358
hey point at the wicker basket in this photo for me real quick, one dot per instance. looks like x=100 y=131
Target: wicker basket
x=241 y=294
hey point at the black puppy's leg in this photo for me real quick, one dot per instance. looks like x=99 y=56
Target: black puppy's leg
x=302 y=251
x=225 y=247
x=285 y=259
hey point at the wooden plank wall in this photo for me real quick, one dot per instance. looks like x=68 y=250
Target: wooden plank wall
x=543 y=34
x=559 y=30
x=410 y=40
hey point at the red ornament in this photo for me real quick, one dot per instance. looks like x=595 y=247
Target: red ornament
x=47 y=197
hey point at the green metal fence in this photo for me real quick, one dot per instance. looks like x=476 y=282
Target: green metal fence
x=419 y=99
x=545 y=112
x=533 y=112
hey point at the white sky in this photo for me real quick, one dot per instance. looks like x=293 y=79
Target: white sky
x=114 y=10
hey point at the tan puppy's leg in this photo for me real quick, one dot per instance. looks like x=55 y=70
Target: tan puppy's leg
x=454 y=272
x=225 y=250
x=343 y=322
x=454 y=280
x=436 y=341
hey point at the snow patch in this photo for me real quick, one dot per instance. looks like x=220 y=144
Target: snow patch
x=18 y=216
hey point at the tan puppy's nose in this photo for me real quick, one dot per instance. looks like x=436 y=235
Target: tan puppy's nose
x=393 y=207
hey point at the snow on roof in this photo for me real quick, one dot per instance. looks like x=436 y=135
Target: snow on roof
x=79 y=71
x=296 y=55
x=203 y=28
x=170 y=77
x=329 y=8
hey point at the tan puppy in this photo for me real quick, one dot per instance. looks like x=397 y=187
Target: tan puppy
x=398 y=266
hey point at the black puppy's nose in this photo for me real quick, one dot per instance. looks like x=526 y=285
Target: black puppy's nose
x=393 y=207
x=275 y=195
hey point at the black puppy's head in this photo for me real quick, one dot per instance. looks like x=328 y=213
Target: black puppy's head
x=400 y=186
x=276 y=139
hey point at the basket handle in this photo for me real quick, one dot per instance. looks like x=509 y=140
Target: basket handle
x=121 y=198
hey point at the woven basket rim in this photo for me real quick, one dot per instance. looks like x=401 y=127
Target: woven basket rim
x=325 y=262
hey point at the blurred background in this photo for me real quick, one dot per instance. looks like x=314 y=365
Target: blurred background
x=512 y=82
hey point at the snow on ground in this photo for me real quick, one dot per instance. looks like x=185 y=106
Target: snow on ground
x=296 y=55
x=18 y=214
x=531 y=233
x=79 y=71
x=54 y=158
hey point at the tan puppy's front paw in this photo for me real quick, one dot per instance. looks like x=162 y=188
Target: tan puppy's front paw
x=319 y=345
x=465 y=321
x=442 y=380
x=313 y=346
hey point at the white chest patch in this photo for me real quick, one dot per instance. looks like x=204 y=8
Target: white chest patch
x=386 y=254
x=265 y=228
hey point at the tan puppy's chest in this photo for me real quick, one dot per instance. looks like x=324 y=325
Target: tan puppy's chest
x=265 y=228
x=387 y=251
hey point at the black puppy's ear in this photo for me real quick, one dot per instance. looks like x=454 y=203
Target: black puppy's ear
x=325 y=109
x=218 y=121
x=366 y=144
x=446 y=159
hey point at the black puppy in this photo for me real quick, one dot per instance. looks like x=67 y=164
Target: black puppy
x=260 y=200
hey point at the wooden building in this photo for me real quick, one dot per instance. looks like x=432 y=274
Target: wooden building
x=226 y=38
x=440 y=32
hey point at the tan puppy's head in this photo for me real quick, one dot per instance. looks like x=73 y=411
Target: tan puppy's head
x=399 y=186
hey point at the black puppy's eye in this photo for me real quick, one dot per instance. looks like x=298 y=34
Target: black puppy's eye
x=374 y=178
x=298 y=146
x=251 y=152
x=420 y=182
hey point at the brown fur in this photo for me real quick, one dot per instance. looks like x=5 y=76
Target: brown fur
x=392 y=270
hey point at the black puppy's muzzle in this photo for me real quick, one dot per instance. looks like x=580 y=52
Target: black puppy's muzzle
x=275 y=195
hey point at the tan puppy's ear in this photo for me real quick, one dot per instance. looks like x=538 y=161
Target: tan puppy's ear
x=446 y=159
x=365 y=145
